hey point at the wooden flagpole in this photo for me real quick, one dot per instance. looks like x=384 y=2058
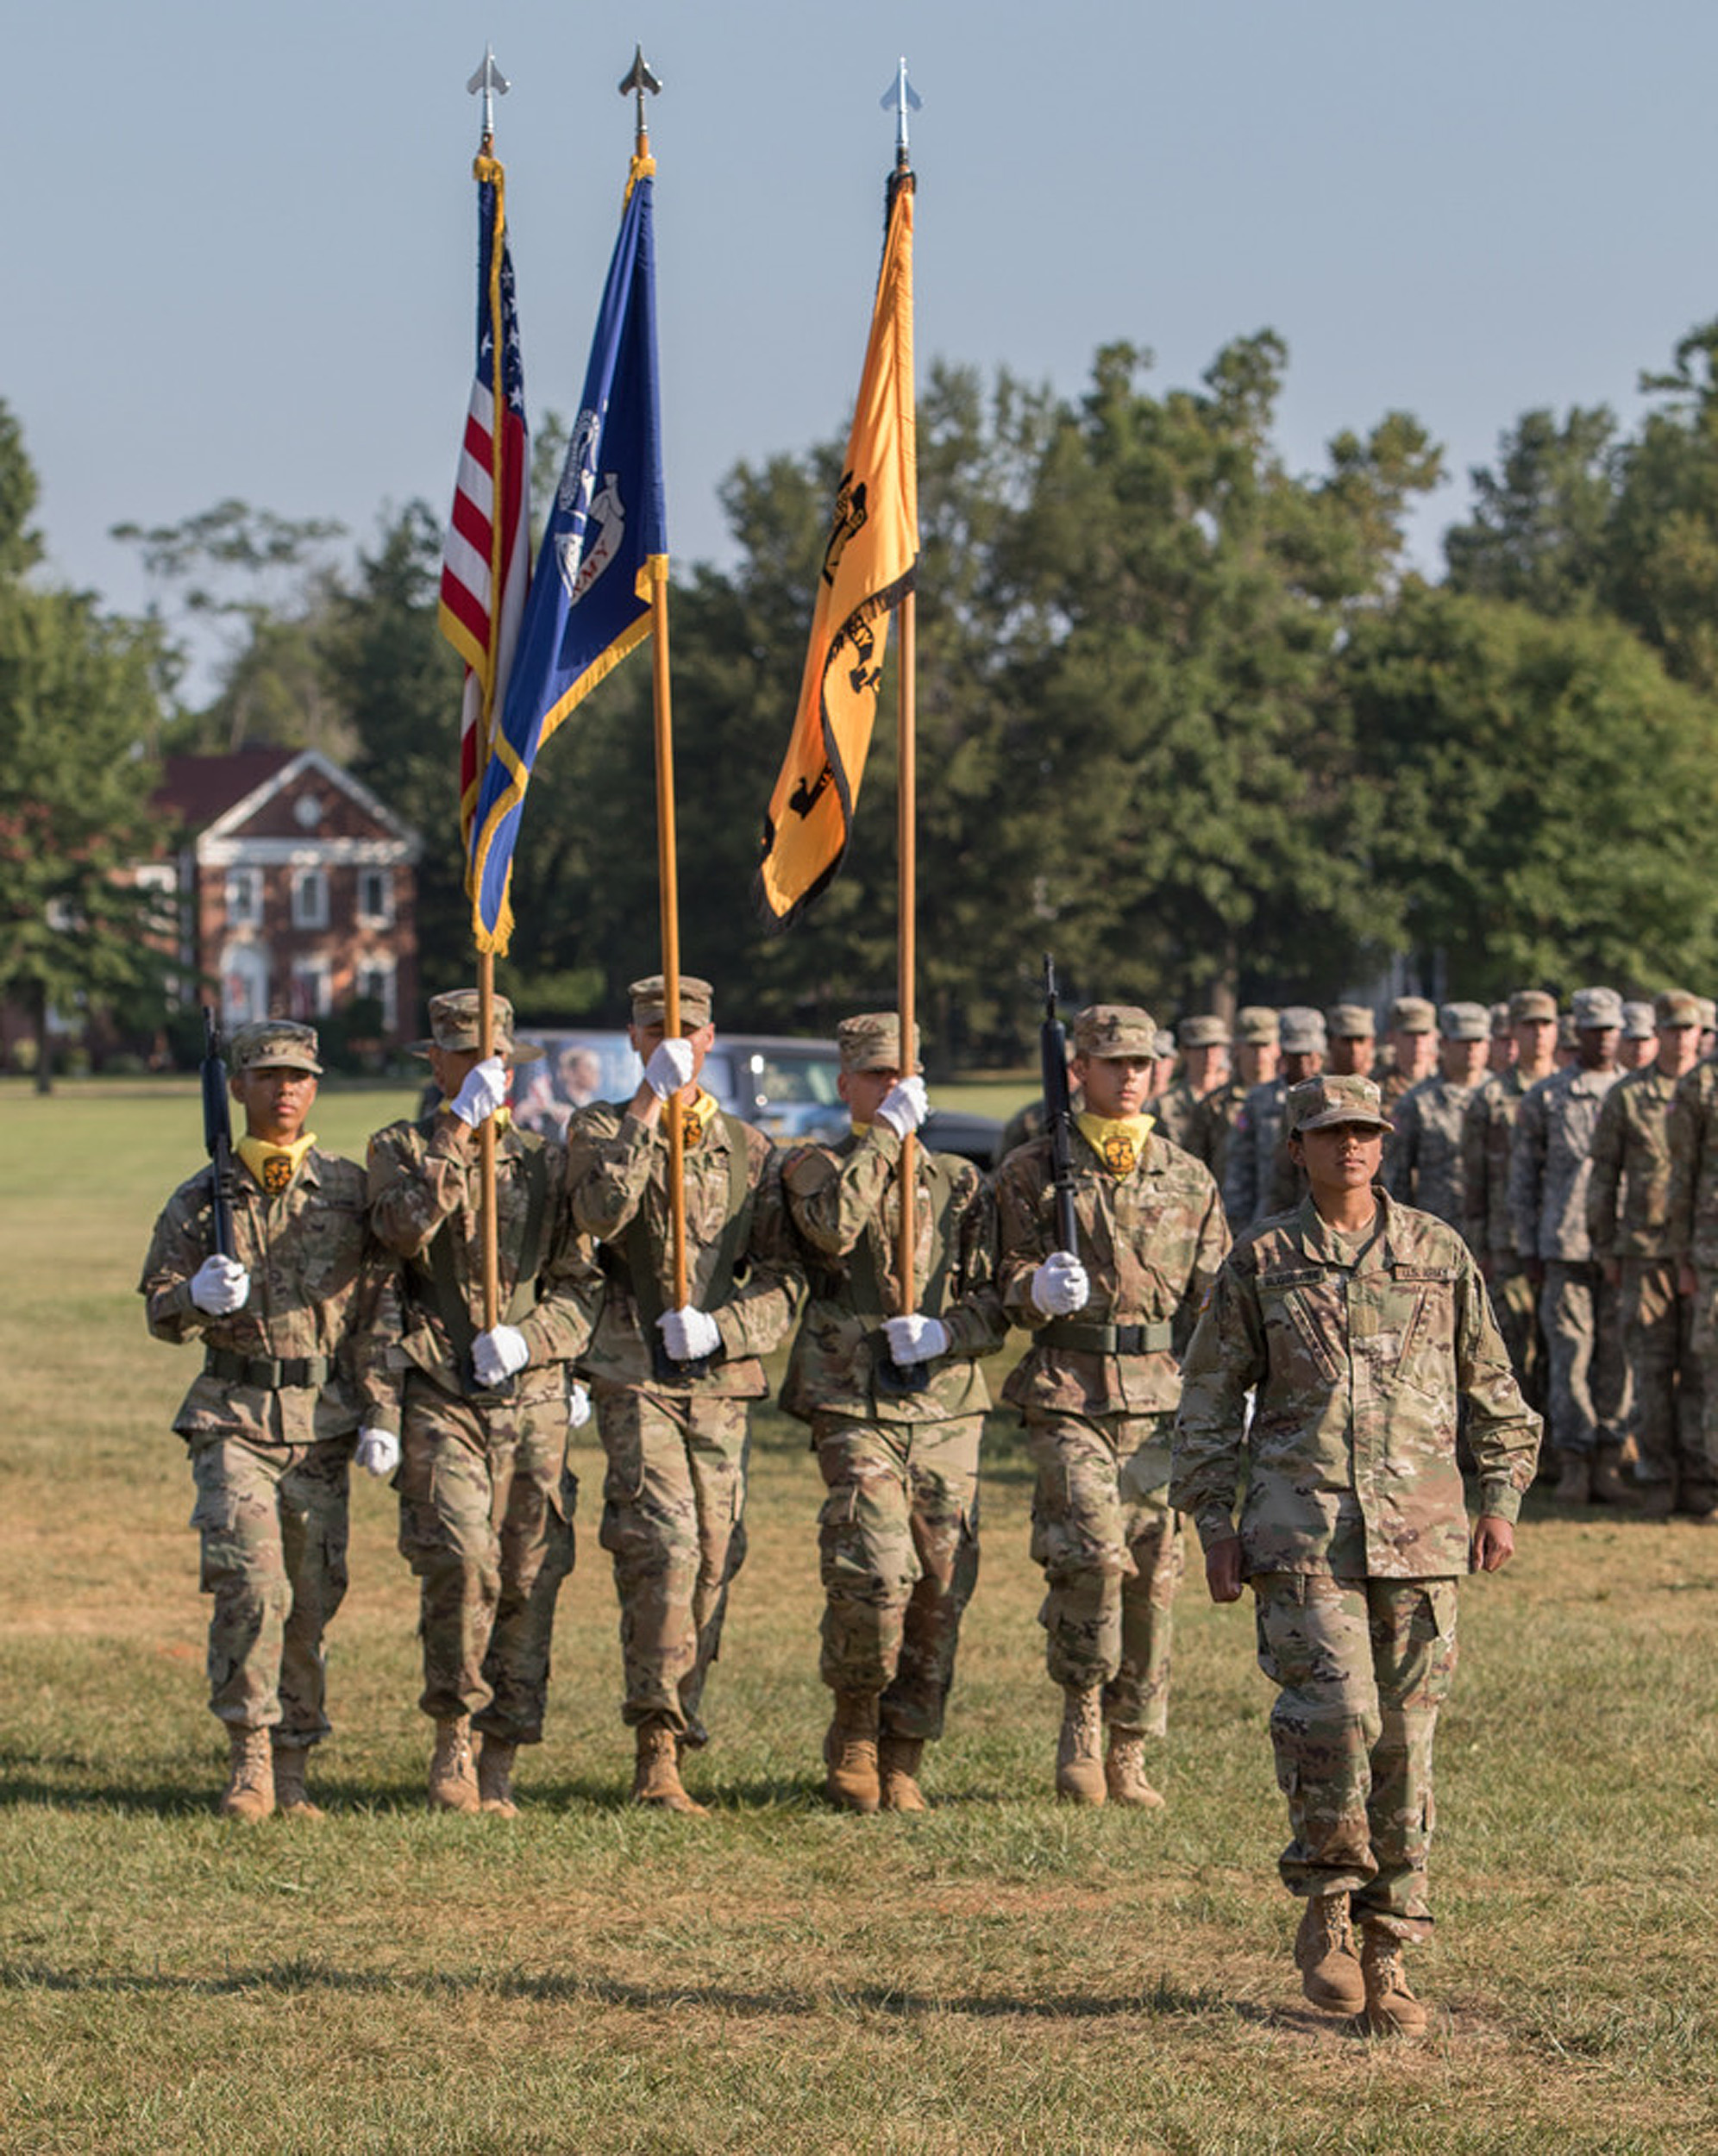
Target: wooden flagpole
x=489 y=1235
x=907 y=811
x=669 y=884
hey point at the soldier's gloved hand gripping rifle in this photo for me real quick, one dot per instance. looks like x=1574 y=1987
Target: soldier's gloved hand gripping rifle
x=1058 y=1112
x=217 y=1135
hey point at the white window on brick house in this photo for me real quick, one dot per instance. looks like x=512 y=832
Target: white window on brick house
x=375 y=898
x=244 y=984
x=310 y=991
x=375 y=977
x=310 y=898
x=242 y=898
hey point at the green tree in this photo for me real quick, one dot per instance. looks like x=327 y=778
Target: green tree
x=1540 y=531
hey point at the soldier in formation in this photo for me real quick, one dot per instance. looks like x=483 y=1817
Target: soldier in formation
x=1353 y=1035
x=1487 y=1221
x=1362 y=1329
x=673 y=1379
x=1691 y=1239
x=287 y=1322
x=1260 y=1177
x=486 y=1497
x=1257 y=1045
x=1423 y=1163
x=896 y=1401
x=1204 y=1042
x=1097 y=1389
x=1412 y=1048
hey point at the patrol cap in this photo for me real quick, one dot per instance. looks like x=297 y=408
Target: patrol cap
x=1676 y=1007
x=1529 y=1003
x=267 y=1044
x=1303 y=1030
x=1163 y=1044
x=1708 y=1013
x=1256 y=1026
x=1413 y=1014
x=1350 y=1022
x=1565 y=1030
x=1465 y=1022
x=1500 y=1020
x=1594 y=1009
x=454 y=1026
x=1202 y=1032
x=1112 y=1031
x=697 y=1001
x=1318 y=1103
x=1639 y=1023
x=872 y=1042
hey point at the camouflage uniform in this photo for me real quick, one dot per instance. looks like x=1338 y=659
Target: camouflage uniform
x=1488 y=1127
x=1211 y=1128
x=1691 y=1238
x=271 y=1419
x=1097 y=1393
x=675 y=1437
x=487 y=1498
x=1549 y=1161
x=1423 y=1160
x=897 y=1534
x=1353 y=1531
x=1177 y=1110
x=1259 y=1177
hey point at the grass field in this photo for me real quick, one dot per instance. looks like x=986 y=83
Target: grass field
x=1002 y=1975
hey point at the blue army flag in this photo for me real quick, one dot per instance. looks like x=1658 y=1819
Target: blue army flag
x=604 y=547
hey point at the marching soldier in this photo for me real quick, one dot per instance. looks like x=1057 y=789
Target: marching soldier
x=1362 y=1330
x=1257 y=1046
x=1692 y=1239
x=1502 y=1055
x=485 y=1496
x=1487 y=1222
x=1353 y=1033
x=1260 y=1178
x=1204 y=1044
x=1423 y=1159
x=1097 y=1390
x=1413 y=1045
x=896 y=1403
x=673 y=1382
x=270 y=1421
x=1628 y=1225
x=1550 y=1160
x=1638 y=1045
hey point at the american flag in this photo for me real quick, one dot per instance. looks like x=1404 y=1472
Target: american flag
x=486 y=552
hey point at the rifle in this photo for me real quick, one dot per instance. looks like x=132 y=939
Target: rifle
x=218 y=1134
x=1058 y=1112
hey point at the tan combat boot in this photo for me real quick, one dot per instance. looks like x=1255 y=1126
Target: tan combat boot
x=851 y=1753
x=1324 y=1954
x=1079 y=1752
x=453 y=1784
x=249 y=1793
x=898 y=1759
x=1124 y=1772
x=1574 y=1483
x=656 y=1777
x=289 y=1795
x=1391 y=2008
x=495 y=1778
x=1609 y=1485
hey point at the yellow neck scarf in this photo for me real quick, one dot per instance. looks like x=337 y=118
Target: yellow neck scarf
x=1117 y=1141
x=273 y=1166
x=502 y=1118
x=696 y=1119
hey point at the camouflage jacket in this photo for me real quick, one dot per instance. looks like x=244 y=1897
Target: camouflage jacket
x=1359 y=1364
x=1423 y=1158
x=1151 y=1242
x=738 y=1243
x=1251 y=1165
x=1213 y=1127
x=319 y=1290
x=1488 y=1128
x=1692 y=1133
x=1550 y=1156
x=844 y=1202
x=1176 y=1112
x=1628 y=1189
x=424 y=1190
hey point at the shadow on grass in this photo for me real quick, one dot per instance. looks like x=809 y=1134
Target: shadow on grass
x=304 y=1975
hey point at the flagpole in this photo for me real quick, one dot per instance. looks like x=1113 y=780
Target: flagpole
x=906 y=810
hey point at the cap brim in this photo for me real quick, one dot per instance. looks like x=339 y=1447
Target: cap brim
x=1329 y=1122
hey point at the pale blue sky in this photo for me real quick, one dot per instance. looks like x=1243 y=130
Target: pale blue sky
x=240 y=255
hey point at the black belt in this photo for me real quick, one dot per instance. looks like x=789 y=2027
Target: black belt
x=1106 y=1339
x=274 y=1374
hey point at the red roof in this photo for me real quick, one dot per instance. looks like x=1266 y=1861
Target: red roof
x=195 y=790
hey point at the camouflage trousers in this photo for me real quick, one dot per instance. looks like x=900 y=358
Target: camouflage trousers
x=1516 y=1307
x=486 y=1521
x=897 y=1546
x=273 y=1524
x=1666 y=1391
x=1579 y=1308
x=1700 y=1476
x=1361 y=1668
x=1111 y=1552
x=673 y=1522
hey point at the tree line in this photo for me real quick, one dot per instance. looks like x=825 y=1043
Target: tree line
x=1185 y=716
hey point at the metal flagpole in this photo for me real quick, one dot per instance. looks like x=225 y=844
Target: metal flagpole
x=637 y=80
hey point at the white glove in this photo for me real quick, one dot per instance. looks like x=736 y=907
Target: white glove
x=688 y=1334
x=669 y=1067
x=578 y=1407
x=1060 y=1286
x=914 y=1339
x=904 y=1106
x=219 y=1286
x=378 y=1452
x=484 y=1090
x=495 y=1356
